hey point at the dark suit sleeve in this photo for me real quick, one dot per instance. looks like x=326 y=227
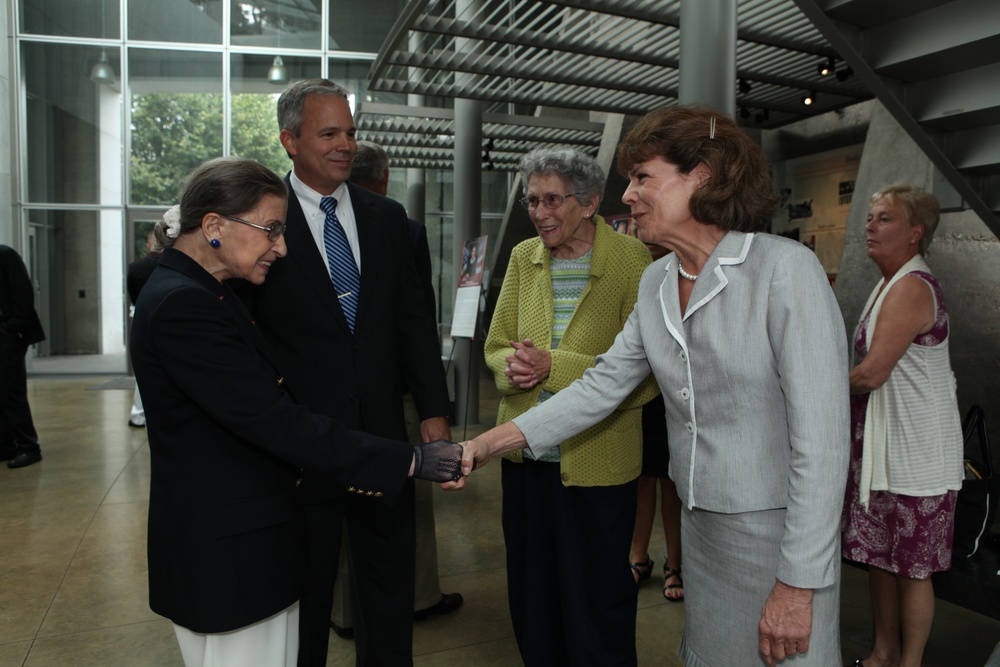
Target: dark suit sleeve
x=18 y=304
x=202 y=350
x=416 y=329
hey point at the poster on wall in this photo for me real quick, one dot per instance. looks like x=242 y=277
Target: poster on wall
x=816 y=193
x=470 y=289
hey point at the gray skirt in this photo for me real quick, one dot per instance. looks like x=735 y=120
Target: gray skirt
x=730 y=563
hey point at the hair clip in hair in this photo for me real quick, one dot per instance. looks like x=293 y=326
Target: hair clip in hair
x=215 y=243
x=711 y=128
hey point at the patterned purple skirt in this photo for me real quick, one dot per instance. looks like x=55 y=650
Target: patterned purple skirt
x=910 y=536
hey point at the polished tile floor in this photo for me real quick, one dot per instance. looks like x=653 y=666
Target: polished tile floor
x=73 y=564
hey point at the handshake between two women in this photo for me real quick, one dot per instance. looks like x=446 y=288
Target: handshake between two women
x=449 y=463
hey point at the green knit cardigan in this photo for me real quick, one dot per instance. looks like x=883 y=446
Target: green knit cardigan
x=608 y=453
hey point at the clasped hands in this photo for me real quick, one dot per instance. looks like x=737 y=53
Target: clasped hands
x=528 y=365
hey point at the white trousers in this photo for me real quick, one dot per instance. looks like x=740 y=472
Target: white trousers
x=272 y=642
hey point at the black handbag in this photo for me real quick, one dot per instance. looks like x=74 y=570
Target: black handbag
x=977 y=499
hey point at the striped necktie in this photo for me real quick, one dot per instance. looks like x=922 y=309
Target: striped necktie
x=343 y=270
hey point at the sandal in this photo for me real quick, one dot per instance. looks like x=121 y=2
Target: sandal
x=642 y=571
x=668 y=574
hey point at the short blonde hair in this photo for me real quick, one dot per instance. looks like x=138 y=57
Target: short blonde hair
x=922 y=208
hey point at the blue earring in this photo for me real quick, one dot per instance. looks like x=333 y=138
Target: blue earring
x=214 y=243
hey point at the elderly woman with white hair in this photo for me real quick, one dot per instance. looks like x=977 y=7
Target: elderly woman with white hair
x=568 y=516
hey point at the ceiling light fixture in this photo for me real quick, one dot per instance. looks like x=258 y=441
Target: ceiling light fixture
x=745 y=86
x=826 y=69
x=278 y=74
x=102 y=71
x=809 y=99
x=845 y=74
x=744 y=112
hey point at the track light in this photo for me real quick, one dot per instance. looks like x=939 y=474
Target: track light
x=745 y=86
x=826 y=69
x=809 y=99
x=278 y=74
x=744 y=112
x=845 y=74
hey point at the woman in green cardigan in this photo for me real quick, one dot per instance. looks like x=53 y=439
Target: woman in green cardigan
x=568 y=517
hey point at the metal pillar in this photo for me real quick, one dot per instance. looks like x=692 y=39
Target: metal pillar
x=468 y=354
x=708 y=54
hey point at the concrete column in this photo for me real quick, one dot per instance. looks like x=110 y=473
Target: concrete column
x=708 y=54
x=468 y=354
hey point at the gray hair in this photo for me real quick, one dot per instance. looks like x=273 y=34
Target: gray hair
x=229 y=186
x=581 y=172
x=922 y=208
x=370 y=163
x=292 y=101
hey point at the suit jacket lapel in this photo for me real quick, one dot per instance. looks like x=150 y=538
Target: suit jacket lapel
x=303 y=252
x=731 y=251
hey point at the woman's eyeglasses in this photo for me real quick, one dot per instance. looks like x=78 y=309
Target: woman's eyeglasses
x=548 y=201
x=274 y=232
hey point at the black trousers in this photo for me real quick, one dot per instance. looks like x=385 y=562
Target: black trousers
x=572 y=596
x=381 y=544
x=16 y=427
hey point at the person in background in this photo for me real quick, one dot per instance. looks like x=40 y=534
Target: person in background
x=568 y=515
x=371 y=171
x=228 y=442
x=906 y=430
x=137 y=275
x=347 y=317
x=19 y=328
x=655 y=471
x=745 y=338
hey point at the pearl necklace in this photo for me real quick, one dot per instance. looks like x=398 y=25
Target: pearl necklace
x=685 y=274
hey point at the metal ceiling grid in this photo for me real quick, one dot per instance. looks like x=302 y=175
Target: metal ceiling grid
x=612 y=56
x=425 y=137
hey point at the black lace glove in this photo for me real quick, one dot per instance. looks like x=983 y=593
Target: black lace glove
x=438 y=461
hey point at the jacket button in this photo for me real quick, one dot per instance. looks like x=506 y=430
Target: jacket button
x=378 y=494
x=298 y=482
x=351 y=489
x=690 y=427
x=281 y=381
x=564 y=476
x=685 y=394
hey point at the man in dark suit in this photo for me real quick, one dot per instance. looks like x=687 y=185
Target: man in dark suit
x=371 y=171
x=351 y=350
x=19 y=328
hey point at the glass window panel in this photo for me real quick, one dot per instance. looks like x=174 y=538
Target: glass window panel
x=176 y=120
x=80 y=273
x=192 y=21
x=286 y=24
x=362 y=25
x=351 y=74
x=254 y=98
x=73 y=126
x=71 y=18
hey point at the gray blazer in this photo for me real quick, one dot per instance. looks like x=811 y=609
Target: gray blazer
x=754 y=378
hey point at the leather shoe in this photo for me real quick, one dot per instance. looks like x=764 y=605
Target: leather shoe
x=24 y=459
x=343 y=633
x=448 y=603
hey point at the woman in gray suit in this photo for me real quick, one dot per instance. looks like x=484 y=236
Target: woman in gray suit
x=747 y=343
